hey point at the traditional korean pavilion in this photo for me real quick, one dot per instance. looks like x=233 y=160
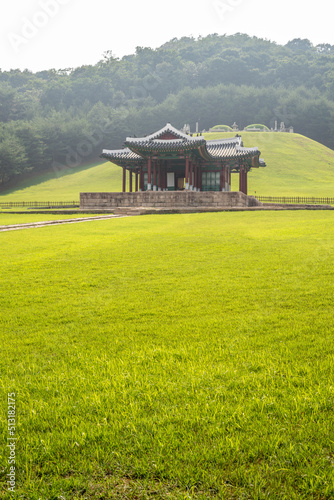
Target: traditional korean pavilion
x=170 y=160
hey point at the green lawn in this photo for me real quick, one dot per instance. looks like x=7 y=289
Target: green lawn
x=296 y=166
x=171 y=357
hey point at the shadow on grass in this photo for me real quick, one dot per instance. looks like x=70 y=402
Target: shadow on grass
x=34 y=178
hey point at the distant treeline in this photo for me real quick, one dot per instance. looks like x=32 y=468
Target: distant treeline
x=62 y=118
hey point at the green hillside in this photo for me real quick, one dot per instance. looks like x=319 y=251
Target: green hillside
x=296 y=166
x=66 y=185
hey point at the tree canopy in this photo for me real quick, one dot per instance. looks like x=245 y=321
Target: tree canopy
x=61 y=118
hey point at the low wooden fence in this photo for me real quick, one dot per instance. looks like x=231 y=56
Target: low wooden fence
x=308 y=200
x=264 y=199
x=39 y=204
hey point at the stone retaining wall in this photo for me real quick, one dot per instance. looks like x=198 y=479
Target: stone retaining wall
x=167 y=199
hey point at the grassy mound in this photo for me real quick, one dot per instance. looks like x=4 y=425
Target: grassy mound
x=296 y=165
x=185 y=356
x=263 y=128
x=222 y=127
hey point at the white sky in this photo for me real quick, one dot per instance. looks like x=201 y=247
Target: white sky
x=44 y=34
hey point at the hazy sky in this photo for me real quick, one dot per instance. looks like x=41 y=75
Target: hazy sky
x=44 y=34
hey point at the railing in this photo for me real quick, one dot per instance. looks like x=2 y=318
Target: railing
x=264 y=199
x=296 y=199
x=39 y=204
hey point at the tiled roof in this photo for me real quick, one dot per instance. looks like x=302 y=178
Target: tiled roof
x=170 y=140
x=153 y=142
x=165 y=144
x=121 y=154
x=230 y=148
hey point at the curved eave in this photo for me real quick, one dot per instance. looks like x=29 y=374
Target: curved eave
x=122 y=157
x=204 y=153
x=230 y=152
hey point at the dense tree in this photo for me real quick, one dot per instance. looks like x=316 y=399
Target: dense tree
x=64 y=117
x=30 y=139
x=13 y=158
x=300 y=45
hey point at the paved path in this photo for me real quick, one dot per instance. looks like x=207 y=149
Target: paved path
x=32 y=225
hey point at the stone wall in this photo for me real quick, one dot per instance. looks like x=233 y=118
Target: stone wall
x=167 y=199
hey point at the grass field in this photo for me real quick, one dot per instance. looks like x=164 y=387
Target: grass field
x=296 y=166
x=171 y=357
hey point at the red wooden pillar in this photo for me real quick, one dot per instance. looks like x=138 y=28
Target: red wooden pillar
x=162 y=175
x=165 y=175
x=124 y=180
x=191 y=175
x=200 y=178
x=141 y=179
x=195 y=178
x=136 y=181
x=149 y=174
x=130 y=181
x=241 y=178
x=159 y=177
x=222 y=178
x=187 y=173
x=154 y=176
x=245 y=182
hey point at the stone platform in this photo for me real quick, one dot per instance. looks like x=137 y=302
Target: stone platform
x=168 y=200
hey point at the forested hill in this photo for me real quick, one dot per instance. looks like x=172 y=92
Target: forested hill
x=57 y=118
